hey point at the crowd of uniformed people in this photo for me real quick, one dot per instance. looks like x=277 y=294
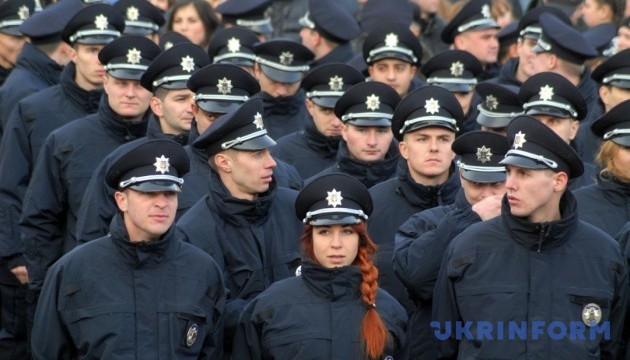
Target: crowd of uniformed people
x=314 y=179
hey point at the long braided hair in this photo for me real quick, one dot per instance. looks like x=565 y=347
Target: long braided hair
x=373 y=331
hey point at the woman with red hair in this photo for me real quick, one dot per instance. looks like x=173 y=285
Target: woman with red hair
x=333 y=308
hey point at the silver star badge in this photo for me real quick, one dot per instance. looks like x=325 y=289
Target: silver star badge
x=432 y=106
x=335 y=83
x=187 y=64
x=546 y=93
x=391 y=40
x=491 y=102
x=373 y=102
x=168 y=45
x=225 y=86
x=133 y=13
x=258 y=121
x=234 y=45
x=133 y=56
x=519 y=140
x=457 y=68
x=334 y=198
x=100 y=21
x=483 y=154
x=23 y=12
x=286 y=58
x=161 y=164
x=485 y=11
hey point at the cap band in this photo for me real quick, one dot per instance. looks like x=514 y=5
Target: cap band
x=351 y=116
x=531 y=30
x=398 y=49
x=230 y=55
x=142 y=24
x=306 y=21
x=543 y=44
x=85 y=33
x=493 y=169
x=311 y=94
x=241 y=139
x=139 y=179
x=497 y=114
x=243 y=22
x=198 y=97
x=555 y=104
x=407 y=124
x=280 y=66
x=615 y=132
x=7 y=23
x=168 y=79
x=358 y=213
x=126 y=66
x=443 y=80
x=475 y=23
x=614 y=77
x=552 y=164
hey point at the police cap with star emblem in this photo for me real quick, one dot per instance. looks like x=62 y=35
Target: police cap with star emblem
x=552 y=94
x=325 y=84
x=529 y=24
x=141 y=17
x=249 y=14
x=45 y=27
x=283 y=61
x=172 y=38
x=615 y=71
x=375 y=12
x=173 y=67
x=601 y=38
x=12 y=15
x=533 y=145
x=563 y=40
x=614 y=125
x=392 y=41
x=94 y=24
x=454 y=70
x=331 y=20
x=221 y=88
x=367 y=104
x=149 y=165
x=233 y=46
x=333 y=199
x=499 y=105
x=240 y=129
x=475 y=15
x=427 y=106
x=128 y=57
x=479 y=155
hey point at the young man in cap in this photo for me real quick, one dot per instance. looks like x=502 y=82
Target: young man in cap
x=422 y=240
x=234 y=46
x=280 y=66
x=562 y=282
x=327 y=29
x=141 y=18
x=613 y=77
x=393 y=55
x=499 y=105
x=72 y=152
x=314 y=148
x=244 y=203
x=248 y=14
x=12 y=15
x=139 y=291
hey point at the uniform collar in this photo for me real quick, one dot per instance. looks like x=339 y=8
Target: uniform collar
x=335 y=284
x=370 y=173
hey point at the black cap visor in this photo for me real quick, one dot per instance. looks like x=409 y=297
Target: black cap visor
x=549 y=110
x=218 y=106
x=283 y=76
x=623 y=140
x=493 y=121
x=11 y=30
x=257 y=143
x=334 y=219
x=454 y=87
x=486 y=177
x=156 y=186
x=127 y=74
x=327 y=102
x=391 y=55
x=523 y=162
x=380 y=122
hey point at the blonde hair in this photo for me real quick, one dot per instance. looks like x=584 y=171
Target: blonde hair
x=605 y=160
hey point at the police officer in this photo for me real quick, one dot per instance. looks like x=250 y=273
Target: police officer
x=425 y=124
x=393 y=55
x=327 y=29
x=601 y=39
x=12 y=15
x=474 y=30
x=613 y=79
x=367 y=150
x=171 y=119
x=314 y=148
x=127 y=292
x=534 y=264
x=244 y=203
x=457 y=71
x=72 y=152
x=234 y=46
x=141 y=18
x=334 y=308
x=280 y=67
x=248 y=14
x=499 y=105
x=422 y=240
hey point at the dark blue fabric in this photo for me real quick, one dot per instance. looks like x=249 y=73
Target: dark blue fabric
x=605 y=205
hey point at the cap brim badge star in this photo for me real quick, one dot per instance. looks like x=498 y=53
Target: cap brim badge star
x=162 y=164
x=224 y=86
x=258 y=121
x=457 y=69
x=132 y=13
x=133 y=56
x=334 y=198
x=23 y=12
x=336 y=83
x=546 y=93
x=491 y=102
x=373 y=102
x=519 y=140
x=286 y=58
x=432 y=106
x=100 y=22
x=234 y=45
x=484 y=154
x=188 y=64
x=485 y=11
x=391 y=40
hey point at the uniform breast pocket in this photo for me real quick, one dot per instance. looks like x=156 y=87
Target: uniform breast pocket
x=492 y=302
x=284 y=265
x=102 y=323
x=182 y=331
x=243 y=281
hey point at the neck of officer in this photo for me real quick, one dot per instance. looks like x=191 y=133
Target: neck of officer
x=232 y=185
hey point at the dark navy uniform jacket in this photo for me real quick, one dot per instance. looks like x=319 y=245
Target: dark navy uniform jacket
x=589 y=177
x=507 y=75
x=33 y=71
x=341 y=54
x=395 y=200
x=317 y=315
x=284 y=115
x=587 y=143
x=509 y=269
x=605 y=205
x=62 y=172
x=255 y=243
x=112 y=299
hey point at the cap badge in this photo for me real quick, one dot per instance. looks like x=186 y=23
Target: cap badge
x=335 y=83
x=286 y=58
x=519 y=140
x=485 y=11
x=225 y=86
x=187 y=64
x=168 y=45
x=391 y=40
x=133 y=56
x=191 y=335
x=546 y=93
x=234 y=45
x=100 y=21
x=334 y=198
x=258 y=121
x=161 y=164
x=484 y=154
x=457 y=68
x=431 y=106
x=373 y=102
x=23 y=12
x=591 y=314
x=133 y=13
x=491 y=102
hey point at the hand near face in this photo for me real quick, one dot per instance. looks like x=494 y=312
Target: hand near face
x=489 y=207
